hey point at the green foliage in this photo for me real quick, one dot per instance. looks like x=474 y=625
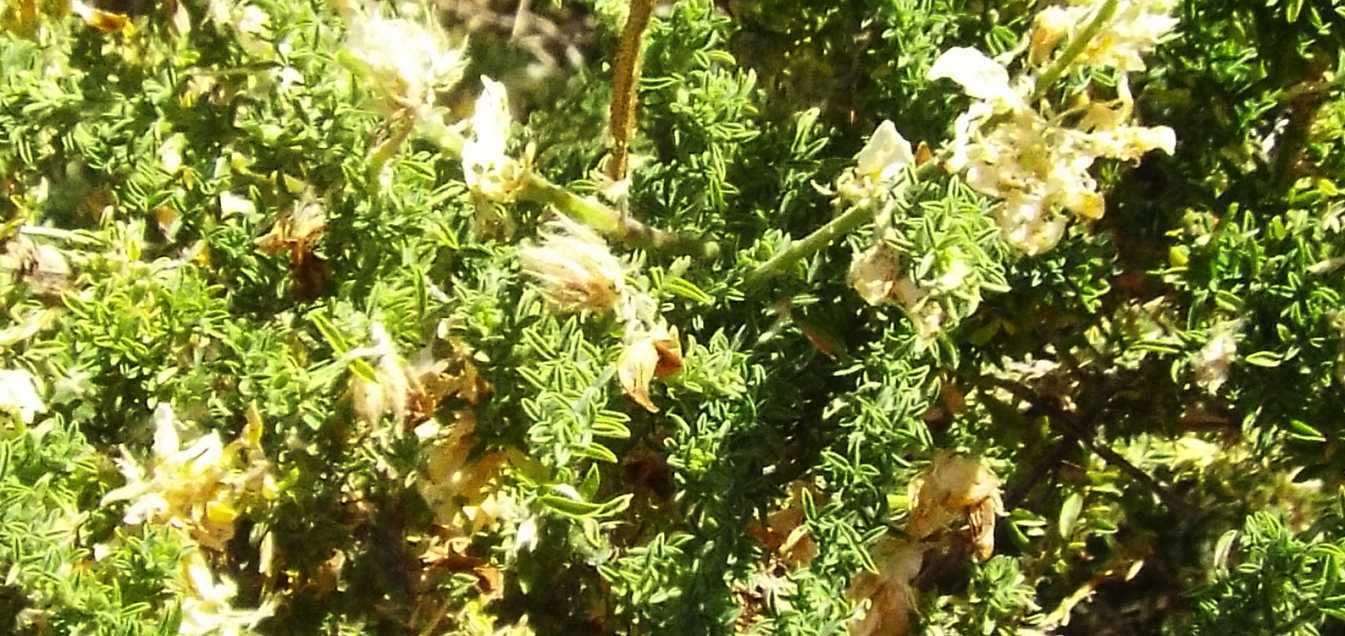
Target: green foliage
x=203 y=208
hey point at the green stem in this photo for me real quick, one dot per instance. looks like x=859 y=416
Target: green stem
x=858 y=216
x=847 y=222
x=586 y=210
x=1073 y=50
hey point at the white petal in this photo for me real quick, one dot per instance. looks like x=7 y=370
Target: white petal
x=886 y=154
x=166 y=440
x=18 y=393
x=979 y=76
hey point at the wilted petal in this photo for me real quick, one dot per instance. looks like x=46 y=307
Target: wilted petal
x=884 y=600
x=874 y=274
x=635 y=370
x=575 y=269
x=951 y=488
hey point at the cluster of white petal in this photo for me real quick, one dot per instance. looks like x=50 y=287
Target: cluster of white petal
x=1136 y=27
x=1037 y=163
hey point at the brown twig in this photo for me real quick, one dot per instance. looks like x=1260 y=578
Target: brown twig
x=625 y=80
x=1073 y=426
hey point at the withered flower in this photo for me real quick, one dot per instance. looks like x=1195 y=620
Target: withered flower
x=657 y=354
x=576 y=271
x=952 y=487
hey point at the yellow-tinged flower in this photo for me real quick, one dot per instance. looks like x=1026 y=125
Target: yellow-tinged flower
x=879 y=166
x=655 y=354
x=207 y=603
x=489 y=172
x=1135 y=29
x=955 y=486
x=575 y=269
x=1036 y=164
x=18 y=395
x=198 y=488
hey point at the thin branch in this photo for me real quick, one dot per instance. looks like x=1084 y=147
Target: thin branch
x=836 y=228
x=587 y=210
x=1073 y=50
x=1073 y=427
x=625 y=81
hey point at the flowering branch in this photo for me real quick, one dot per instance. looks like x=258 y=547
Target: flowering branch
x=587 y=210
x=1073 y=50
x=847 y=222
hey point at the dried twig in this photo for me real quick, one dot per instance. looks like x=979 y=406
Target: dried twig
x=625 y=81
x=1074 y=426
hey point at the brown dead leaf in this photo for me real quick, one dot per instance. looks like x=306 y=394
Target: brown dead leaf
x=784 y=533
x=298 y=233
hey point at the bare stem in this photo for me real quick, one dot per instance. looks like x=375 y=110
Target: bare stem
x=847 y=222
x=625 y=81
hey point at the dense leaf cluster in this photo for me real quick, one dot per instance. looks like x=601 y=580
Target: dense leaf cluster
x=158 y=160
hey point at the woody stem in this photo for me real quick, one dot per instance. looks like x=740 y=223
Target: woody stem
x=625 y=79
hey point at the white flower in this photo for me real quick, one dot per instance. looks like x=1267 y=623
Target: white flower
x=1136 y=27
x=487 y=170
x=878 y=167
x=406 y=62
x=197 y=488
x=1214 y=360
x=575 y=269
x=1037 y=164
x=978 y=75
x=207 y=608
x=18 y=394
x=885 y=156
